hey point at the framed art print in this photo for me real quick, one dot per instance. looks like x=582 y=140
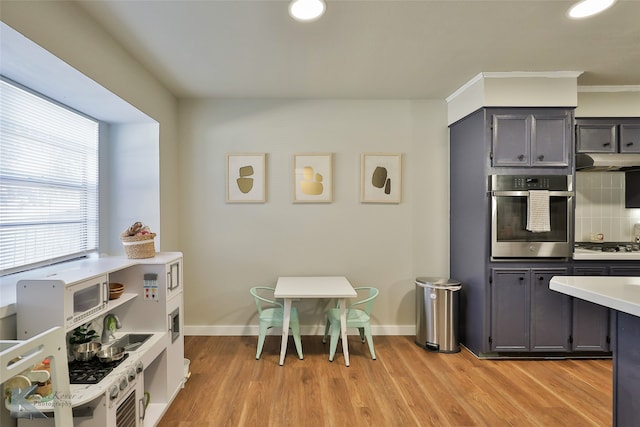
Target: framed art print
x=381 y=180
x=313 y=178
x=246 y=178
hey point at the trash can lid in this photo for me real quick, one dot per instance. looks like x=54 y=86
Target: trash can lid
x=438 y=282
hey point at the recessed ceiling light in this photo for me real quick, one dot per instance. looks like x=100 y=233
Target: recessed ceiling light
x=587 y=8
x=307 y=10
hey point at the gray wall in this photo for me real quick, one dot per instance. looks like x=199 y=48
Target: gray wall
x=230 y=247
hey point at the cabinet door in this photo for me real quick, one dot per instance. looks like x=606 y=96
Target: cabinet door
x=625 y=271
x=590 y=326
x=590 y=322
x=550 y=313
x=630 y=138
x=511 y=139
x=596 y=138
x=551 y=140
x=510 y=310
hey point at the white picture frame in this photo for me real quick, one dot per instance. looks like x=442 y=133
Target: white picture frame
x=313 y=178
x=381 y=178
x=246 y=178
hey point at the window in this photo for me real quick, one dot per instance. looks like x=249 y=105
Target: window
x=48 y=181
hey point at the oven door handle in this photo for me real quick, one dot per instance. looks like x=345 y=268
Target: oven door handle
x=552 y=193
x=510 y=193
x=562 y=193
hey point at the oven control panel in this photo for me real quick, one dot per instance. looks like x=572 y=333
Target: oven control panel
x=531 y=182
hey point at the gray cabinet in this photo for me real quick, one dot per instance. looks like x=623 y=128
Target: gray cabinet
x=629 y=271
x=591 y=329
x=531 y=139
x=486 y=142
x=526 y=314
x=510 y=309
x=607 y=136
x=629 y=141
x=550 y=314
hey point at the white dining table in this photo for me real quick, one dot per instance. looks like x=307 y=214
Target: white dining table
x=289 y=288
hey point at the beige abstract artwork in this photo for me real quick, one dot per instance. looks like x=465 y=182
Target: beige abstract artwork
x=312 y=178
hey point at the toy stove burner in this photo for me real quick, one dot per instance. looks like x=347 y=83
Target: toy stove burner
x=91 y=371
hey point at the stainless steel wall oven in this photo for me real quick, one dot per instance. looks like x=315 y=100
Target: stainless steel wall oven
x=511 y=236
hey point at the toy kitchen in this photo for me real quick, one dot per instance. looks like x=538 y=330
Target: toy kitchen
x=133 y=366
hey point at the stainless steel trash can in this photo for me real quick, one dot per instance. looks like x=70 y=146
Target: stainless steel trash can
x=437 y=314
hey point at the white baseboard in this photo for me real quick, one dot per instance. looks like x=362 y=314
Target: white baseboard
x=252 y=330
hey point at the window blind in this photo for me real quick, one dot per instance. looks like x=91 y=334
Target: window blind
x=48 y=181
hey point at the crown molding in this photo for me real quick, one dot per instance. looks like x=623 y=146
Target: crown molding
x=511 y=75
x=609 y=89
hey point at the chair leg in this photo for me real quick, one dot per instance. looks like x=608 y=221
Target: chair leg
x=295 y=329
x=261 y=335
x=361 y=331
x=367 y=331
x=333 y=345
x=326 y=332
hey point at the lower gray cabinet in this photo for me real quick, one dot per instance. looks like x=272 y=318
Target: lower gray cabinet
x=625 y=271
x=510 y=310
x=550 y=314
x=591 y=330
x=526 y=316
x=590 y=327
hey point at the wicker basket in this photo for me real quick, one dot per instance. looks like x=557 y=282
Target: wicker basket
x=139 y=246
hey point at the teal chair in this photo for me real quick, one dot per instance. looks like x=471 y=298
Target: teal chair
x=270 y=314
x=358 y=316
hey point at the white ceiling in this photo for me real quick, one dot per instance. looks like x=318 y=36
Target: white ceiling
x=372 y=49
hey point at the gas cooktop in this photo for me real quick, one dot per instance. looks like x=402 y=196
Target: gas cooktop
x=609 y=246
x=91 y=371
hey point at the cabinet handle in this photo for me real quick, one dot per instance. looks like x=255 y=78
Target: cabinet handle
x=541 y=157
x=143 y=408
x=105 y=292
x=606 y=144
x=521 y=157
x=629 y=144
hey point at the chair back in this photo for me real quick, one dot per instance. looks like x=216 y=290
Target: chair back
x=262 y=301
x=365 y=304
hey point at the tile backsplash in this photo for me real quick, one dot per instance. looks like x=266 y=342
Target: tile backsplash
x=600 y=207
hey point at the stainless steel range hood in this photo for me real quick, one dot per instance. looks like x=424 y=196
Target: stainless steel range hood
x=607 y=162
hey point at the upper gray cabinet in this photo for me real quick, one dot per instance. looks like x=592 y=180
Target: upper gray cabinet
x=531 y=139
x=629 y=138
x=607 y=136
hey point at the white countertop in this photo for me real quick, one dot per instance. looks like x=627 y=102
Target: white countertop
x=584 y=254
x=618 y=293
x=70 y=272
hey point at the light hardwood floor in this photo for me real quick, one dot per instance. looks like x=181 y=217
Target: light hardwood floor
x=405 y=386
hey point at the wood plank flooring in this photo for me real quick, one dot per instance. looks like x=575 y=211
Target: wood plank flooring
x=405 y=386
